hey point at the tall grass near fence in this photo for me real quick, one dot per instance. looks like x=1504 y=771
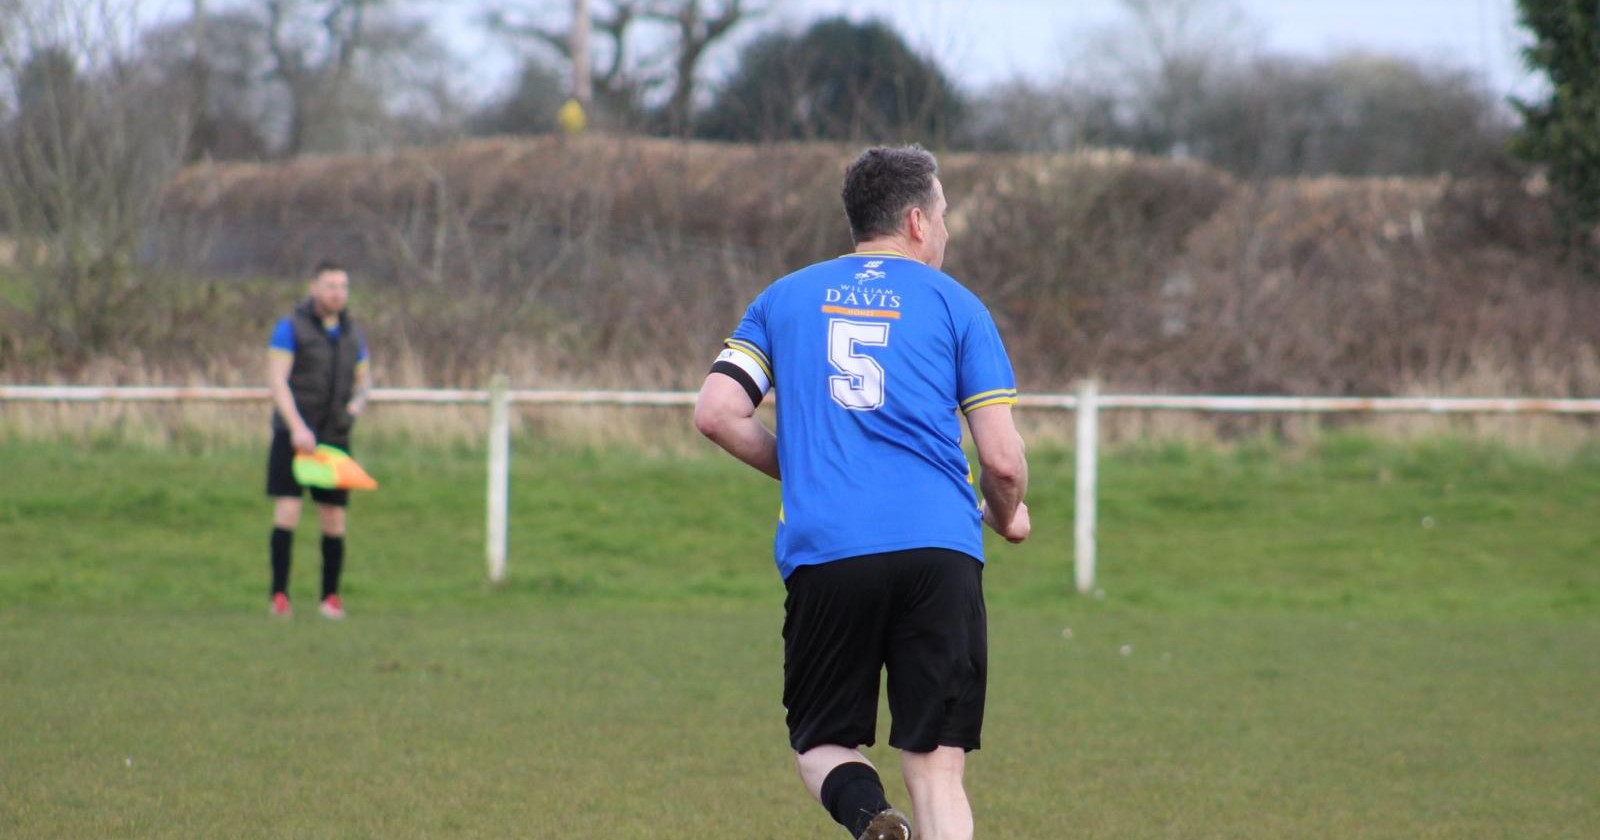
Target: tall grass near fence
x=199 y=426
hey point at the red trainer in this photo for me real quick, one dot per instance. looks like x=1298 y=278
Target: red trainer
x=280 y=606
x=332 y=608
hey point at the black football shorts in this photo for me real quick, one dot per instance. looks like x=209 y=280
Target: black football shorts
x=919 y=615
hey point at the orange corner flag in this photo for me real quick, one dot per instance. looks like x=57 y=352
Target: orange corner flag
x=331 y=468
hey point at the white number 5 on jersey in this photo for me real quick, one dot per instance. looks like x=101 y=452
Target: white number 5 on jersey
x=860 y=387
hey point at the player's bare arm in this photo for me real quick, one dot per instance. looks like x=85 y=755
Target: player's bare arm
x=1003 y=476
x=725 y=414
x=361 y=390
x=279 y=363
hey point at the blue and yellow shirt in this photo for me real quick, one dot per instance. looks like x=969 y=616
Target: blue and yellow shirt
x=871 y=356
x=282 y=339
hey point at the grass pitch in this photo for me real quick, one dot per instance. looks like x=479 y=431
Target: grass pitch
x=1353 y=641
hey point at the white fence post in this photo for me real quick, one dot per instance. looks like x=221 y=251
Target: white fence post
x=499 y=474
x=1087 y=456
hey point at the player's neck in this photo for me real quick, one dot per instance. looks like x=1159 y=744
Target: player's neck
x=889 y=245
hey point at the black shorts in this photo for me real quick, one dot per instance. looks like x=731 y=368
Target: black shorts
x=919 y=614
x=280 y=474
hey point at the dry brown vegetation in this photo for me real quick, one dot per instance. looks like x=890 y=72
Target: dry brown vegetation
x=603 y=261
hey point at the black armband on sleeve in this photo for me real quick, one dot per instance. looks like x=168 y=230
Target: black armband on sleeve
x=739 y=376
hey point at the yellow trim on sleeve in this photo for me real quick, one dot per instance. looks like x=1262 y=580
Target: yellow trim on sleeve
x=987 y=397
x=996 y=401
x=288 y=354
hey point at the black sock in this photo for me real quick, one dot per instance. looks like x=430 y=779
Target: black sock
x=853 y=794
x=282 y=544
x=332 y=564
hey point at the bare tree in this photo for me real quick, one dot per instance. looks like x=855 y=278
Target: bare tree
x=83 y=161
x=340 y=72
x=1353 y=114
x=698 y=28
x=625 y=76
x=1162 y=60
x=618 y=81
x=217 y=61
x=1179 y=78
x=313 y=46
x=1026 y=116
x=275 y=78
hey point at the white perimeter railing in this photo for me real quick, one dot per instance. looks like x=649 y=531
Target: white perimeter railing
x=1087 y=403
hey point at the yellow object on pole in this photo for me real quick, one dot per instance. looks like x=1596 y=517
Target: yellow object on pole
x=571 y=118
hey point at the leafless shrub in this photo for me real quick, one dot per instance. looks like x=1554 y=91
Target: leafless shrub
x=1377 y=287
x=1070 y=251
x=623 y=262
x=83 y=160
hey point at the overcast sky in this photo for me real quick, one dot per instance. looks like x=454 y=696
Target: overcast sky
x=984 y=41
x=996 y=39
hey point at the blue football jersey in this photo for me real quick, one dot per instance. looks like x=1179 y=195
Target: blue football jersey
x=871 y=355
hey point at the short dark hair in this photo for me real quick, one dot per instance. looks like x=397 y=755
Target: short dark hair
x=325 y=266
x=882 y=184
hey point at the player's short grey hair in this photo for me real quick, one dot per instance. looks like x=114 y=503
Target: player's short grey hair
x=882 y=184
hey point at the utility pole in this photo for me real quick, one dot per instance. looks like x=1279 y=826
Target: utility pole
x=580 y=52
x=573 y=117
x=201 y=130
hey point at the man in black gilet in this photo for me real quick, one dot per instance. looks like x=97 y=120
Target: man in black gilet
x=317 y=371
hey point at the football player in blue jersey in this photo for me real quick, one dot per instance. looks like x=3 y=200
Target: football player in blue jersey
x=876 y=355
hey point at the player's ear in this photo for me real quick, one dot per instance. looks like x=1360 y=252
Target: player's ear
x=917 y=222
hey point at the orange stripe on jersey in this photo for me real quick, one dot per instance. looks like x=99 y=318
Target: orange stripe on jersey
x=862 y=313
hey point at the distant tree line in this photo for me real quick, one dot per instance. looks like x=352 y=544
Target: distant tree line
x=1178 y=78
x=273 y=79
x=99 y=109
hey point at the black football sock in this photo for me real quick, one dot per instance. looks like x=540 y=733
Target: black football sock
x=853 y=794
x=332 y=564
x=282 y=544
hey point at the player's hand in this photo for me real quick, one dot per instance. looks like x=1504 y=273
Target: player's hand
x=1021 y=525
x=1017 y=529
x=304 y=441
x=356 y=406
